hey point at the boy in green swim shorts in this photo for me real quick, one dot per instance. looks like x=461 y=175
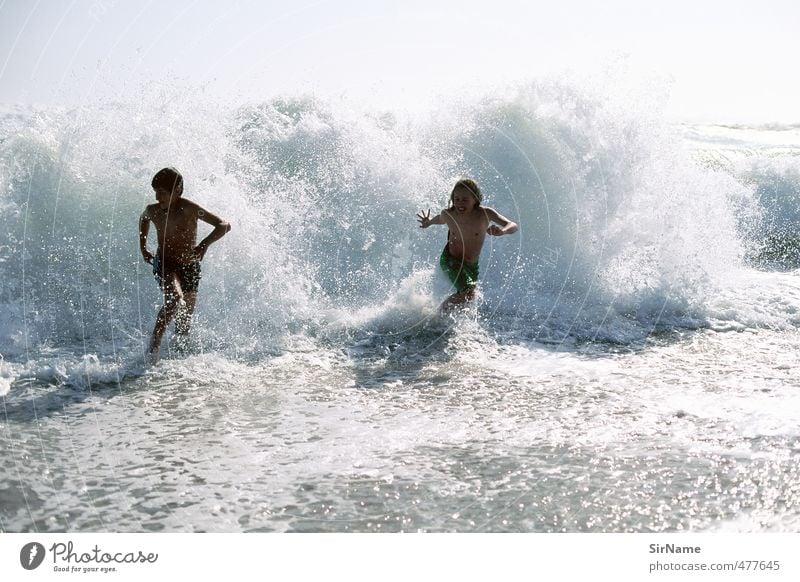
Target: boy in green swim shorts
x=468 y=224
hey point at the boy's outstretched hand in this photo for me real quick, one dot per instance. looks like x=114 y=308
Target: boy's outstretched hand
x=424 y=219
x=495 y=230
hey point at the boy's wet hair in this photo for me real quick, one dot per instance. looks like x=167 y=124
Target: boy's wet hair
x=470 y=186
x=168 y=179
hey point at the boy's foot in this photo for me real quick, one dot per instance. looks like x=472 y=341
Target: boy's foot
x=457 y=300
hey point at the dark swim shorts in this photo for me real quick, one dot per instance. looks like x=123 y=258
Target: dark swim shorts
x=188 y=274
x=464 y=277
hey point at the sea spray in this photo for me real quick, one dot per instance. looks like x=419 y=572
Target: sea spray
x=616 y=219
x=621 y=232
x=774 y=239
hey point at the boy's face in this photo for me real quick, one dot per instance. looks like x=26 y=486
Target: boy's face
x=165 y=196
x=464 y=201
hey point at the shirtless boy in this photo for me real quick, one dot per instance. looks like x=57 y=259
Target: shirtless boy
x=176 y=264
x=468 y=223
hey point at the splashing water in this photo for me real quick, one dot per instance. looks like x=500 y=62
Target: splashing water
x=589 y=389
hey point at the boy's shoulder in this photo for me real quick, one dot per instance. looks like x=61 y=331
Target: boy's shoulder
x=148 y=210
x=447 y=214
x=182 y=204
x=187 y=204
x=187 y=207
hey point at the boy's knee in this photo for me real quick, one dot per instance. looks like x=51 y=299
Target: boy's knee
x=172 y=301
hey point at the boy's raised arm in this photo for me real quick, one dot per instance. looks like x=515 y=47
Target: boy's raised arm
x=506 y=226
x=221 y=228
x=144 y=229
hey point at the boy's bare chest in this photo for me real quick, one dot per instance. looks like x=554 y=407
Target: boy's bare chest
x=176 y=229
x=172 y=220
x=468 y=227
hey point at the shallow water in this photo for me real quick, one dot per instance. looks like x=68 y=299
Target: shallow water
x=698 y=432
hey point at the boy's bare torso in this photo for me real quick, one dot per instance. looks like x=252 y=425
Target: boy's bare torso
x=176 y=228
x=467 y=233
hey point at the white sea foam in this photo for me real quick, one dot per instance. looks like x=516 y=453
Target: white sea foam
x=625 y=367
x=622 y=231
x=7 y=376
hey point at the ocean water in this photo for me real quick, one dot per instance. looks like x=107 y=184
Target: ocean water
x=630 y=364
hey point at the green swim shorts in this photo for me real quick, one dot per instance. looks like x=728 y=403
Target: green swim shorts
x=463 y=276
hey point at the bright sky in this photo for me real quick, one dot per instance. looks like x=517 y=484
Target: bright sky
x=724 y=61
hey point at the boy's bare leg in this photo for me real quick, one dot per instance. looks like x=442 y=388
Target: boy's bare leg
x=172 y=301
x=183 y=321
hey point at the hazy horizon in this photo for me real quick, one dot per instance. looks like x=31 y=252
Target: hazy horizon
x=718 y=62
